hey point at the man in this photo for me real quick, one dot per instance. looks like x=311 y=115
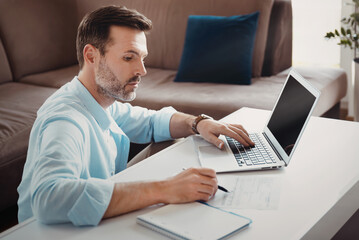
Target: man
x=82 y=134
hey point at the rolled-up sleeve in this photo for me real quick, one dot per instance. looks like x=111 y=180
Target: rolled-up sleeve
x=142 y=125
x=92 y=203
x=161 y=124
x=59 y=193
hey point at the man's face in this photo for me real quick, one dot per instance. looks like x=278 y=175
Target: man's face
x=119 y=72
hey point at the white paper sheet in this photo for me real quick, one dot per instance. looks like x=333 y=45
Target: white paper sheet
x=248 y=192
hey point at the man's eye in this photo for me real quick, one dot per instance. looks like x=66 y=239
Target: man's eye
x=127 y=59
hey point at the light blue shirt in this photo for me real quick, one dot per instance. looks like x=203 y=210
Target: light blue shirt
x=75 y=147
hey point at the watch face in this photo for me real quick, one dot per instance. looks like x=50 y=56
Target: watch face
x=204 y=116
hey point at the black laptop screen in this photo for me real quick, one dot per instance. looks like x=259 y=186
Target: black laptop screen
x=290 y=114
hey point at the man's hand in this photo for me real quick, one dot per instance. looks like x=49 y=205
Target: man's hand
x=181 y=126
x=190 y=185
x=211 y=129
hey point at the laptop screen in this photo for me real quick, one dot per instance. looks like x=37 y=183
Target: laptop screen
x=288 y=117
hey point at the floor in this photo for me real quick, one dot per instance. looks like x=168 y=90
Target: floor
x=349 y=231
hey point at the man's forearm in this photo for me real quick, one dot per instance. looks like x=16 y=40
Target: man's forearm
x=128 y=197
x=187 y=186
x=181 y=125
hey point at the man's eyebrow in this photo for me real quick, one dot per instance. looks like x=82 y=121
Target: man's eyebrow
x=135 y=52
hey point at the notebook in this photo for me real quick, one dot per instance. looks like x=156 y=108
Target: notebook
x=195 y=220
x=275 y=145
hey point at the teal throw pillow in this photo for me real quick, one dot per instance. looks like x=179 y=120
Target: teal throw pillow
x=218 y=49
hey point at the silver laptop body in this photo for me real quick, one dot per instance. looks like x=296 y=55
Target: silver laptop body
x=279 y=137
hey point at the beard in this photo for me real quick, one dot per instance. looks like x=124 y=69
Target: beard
x=110 y=86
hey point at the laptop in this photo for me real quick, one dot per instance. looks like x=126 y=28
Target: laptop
x=276 y=144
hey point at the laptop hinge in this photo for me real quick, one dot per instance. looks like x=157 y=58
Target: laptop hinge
x=271 y=144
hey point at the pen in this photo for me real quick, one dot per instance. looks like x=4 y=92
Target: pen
x=219 y=187
x=222 y=188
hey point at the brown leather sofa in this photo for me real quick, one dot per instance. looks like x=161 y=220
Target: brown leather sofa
x=37 y=56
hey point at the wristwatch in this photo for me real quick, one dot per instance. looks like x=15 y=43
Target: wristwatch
x=197 y=120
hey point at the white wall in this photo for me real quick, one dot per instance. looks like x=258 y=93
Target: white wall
x=312 y=19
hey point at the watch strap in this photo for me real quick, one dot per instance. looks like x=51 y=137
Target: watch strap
x=197 y=120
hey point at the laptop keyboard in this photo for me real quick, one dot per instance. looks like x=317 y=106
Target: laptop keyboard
x=257 y=155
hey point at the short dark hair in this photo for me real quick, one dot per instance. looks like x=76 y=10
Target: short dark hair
x=94 y=28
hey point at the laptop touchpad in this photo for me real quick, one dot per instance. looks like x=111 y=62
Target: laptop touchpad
x=212 y=157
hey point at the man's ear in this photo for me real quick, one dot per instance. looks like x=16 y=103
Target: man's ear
x=90 y=54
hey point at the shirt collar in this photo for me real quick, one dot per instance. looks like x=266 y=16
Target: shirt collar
x=102 y=117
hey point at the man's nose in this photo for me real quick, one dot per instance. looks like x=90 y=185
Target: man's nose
x=141 y=71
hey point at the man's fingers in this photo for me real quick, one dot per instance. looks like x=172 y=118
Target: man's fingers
x=210 y=181
x=204 y=197
x=215 y=140
x=206 y=175
x=207 y=172
x=240 y=135
x=215 y=128
x=205 y=182
x=210 y=190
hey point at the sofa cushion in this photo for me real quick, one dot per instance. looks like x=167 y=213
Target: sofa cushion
x=278 y=55
x=18 y=106
x=5 y=72
x=218 y=100
x=38 y=35
x=218 y=49
x=169 y=17
x=55 y=78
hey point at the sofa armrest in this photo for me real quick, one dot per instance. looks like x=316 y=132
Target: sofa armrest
x=5 y=71
x=278 y=54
